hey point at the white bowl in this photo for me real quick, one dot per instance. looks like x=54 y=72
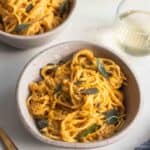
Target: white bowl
x=54 y=55
x=23 y=42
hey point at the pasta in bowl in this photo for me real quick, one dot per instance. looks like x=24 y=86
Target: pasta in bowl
x=83 y=102
x=79 y=100
x=32 y=23
x=32 y=17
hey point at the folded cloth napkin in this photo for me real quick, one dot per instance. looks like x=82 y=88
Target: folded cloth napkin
x=144 y=146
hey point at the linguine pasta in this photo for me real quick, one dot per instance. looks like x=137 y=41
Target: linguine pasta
x=31 y=17
x=79 y=100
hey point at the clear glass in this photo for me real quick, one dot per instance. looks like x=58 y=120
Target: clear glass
x=132 y=30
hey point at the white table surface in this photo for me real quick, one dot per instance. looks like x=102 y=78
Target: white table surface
x=87 y=24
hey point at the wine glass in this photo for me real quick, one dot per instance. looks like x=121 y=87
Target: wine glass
x=132 y=30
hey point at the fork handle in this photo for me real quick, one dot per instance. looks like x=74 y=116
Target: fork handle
x=8 y=143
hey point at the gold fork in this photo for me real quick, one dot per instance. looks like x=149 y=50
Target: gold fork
x=6 y=140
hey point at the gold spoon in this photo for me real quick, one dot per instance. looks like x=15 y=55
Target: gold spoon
x=8 y=143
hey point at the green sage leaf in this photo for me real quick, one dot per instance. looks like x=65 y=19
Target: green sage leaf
x=89 y=130
x=101 y=69
x=41 y=123
x=29 y=8
x=90 y=91
x=112 y=116
x=64 y=8
x=58 y=89
x=78 y=82
x=112 y=120
x=21 y=27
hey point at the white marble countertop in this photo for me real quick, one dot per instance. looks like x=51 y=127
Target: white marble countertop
x=87 y=24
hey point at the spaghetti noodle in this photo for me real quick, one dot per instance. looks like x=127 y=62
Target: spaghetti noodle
x=80 y=100
x=31 y=17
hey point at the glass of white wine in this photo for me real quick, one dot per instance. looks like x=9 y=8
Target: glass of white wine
x=132 y=30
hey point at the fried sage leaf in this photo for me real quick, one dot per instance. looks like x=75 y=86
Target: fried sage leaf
x=78 y=82
x=112 y=116
x=58 y=89
x=29 y=8
x=64 y=8
x=91 y=129
x=21 y=27
x=101 y=69
x=41 y=123
x=90 y=91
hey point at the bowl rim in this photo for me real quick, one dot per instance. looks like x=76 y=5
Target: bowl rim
x=116 y=137
x=45 y=33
